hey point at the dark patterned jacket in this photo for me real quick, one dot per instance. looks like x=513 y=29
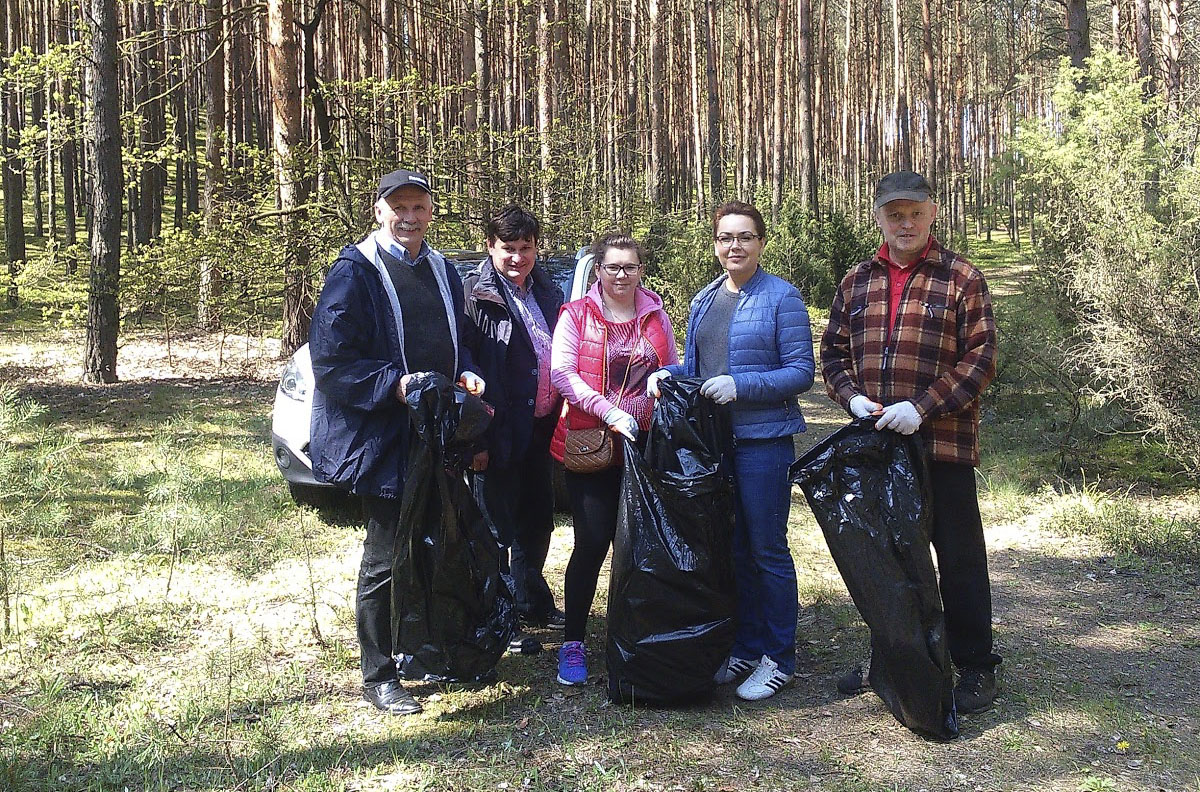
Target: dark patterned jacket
x=941 y=355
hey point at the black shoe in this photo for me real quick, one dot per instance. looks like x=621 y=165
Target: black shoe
x=523 y=644
x=853 y=682
x=392 y=698
x=555 y=620
x=975 y=691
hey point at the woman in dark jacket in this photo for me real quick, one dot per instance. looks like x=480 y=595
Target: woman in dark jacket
x=749 y=336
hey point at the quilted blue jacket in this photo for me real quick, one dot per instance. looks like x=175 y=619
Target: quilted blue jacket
x=770 y=354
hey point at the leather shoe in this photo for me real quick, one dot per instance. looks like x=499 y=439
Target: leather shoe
x=392 y=698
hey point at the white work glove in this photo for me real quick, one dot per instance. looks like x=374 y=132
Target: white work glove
x=622 y=423
x=861 y=406
x=472 y=382
x=652 y=383
x=721 y=389
x=900 y=417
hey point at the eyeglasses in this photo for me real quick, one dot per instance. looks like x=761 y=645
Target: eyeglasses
x=727 y=240
x=628 y=269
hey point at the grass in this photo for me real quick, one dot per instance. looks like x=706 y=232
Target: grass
x=175 y=622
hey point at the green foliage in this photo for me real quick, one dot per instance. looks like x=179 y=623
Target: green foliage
x=1116 y=181
x=1126 y=527
x=813 y=253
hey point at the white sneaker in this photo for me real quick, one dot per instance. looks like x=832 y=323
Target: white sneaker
x=733 y=668
x=765 y=682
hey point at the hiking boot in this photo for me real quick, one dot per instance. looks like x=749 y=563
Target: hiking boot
x=733 y=669
x=853 y=682
x=765 y=682
x=572 y=664
x=523 y=644
x=975 y=691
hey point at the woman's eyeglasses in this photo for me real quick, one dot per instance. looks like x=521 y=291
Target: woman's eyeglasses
x=727 y=240
x=615 y=269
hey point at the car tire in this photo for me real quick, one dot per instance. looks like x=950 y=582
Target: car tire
x=317 y=497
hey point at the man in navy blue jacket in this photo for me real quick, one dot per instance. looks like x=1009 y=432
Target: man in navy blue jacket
x=391 y=307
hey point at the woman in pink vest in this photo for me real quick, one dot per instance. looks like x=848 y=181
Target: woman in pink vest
x=605 y=346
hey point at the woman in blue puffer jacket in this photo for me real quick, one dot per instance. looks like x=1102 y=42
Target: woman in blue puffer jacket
x=748 y=336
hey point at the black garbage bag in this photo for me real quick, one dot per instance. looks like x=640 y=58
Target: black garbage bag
x=671 y=599
x=869 y=491
x=452 y=615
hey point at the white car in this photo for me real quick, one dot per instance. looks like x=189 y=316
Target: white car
x=292 y=413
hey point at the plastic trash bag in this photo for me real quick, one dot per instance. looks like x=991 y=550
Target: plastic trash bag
x=869 y=491
x=671 y=599
x=452 y=615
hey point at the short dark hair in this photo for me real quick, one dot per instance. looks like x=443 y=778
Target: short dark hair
x=619 y=240
x=740 y=208
x=511 y=224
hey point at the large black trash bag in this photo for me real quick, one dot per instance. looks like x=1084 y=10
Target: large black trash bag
x=452 y=615
x=671 y=599
x=869 y=491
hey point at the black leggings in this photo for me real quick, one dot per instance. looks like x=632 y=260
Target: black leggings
x=594 y=514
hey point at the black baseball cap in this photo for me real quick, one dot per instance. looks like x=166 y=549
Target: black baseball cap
x=902 y=186
x=401 y=178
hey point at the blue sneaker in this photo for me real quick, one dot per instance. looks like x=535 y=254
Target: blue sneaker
x=572 y=664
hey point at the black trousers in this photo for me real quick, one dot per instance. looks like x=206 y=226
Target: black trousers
x=518 y=502
x=594 y=499
x=373 y=603
x=962 y=565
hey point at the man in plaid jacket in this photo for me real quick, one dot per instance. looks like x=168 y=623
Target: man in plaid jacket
x=911 y=339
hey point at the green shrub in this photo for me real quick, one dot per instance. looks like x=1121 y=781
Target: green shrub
x=1115 y=180
x=1124 y=526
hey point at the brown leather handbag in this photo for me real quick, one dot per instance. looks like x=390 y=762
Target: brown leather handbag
x=588 y=450
x=592 y=450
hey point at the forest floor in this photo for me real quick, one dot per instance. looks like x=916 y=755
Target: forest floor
x=173 y=621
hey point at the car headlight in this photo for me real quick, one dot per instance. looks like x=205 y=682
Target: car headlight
x=293 y=383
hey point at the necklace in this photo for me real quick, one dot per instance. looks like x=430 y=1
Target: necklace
x=612 y=314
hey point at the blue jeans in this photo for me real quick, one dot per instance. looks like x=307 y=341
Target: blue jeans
x=762 y=563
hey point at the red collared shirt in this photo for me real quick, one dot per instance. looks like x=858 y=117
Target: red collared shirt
x=898 y=278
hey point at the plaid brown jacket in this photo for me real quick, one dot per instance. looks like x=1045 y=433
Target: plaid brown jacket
x=941 y=355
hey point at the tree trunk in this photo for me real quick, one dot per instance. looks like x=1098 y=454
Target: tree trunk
x=1079 y=42
x=1172 y=49
x=655 y=88
x=716 y=163
x=808 y=153
x=781 y=28
x=290 y=171
x=209 y=293
x=1145 y=44
x=931 y=98
x=903 y=128
x=13 y=183
x=544 y=117
x=103 y=316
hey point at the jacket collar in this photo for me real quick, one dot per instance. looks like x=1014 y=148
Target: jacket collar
x=933 y=255
x=488 y=286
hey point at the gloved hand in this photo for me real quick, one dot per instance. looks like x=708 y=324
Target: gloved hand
x=652 y=383
x=622 y=423
x=861 y=406
x=472 y=382
x=721 y=389
x=900 y=417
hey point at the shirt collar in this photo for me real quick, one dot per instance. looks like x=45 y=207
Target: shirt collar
x=882 y=255
x=399 y=251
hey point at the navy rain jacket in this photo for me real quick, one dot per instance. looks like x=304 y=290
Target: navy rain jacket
x=359 y=428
